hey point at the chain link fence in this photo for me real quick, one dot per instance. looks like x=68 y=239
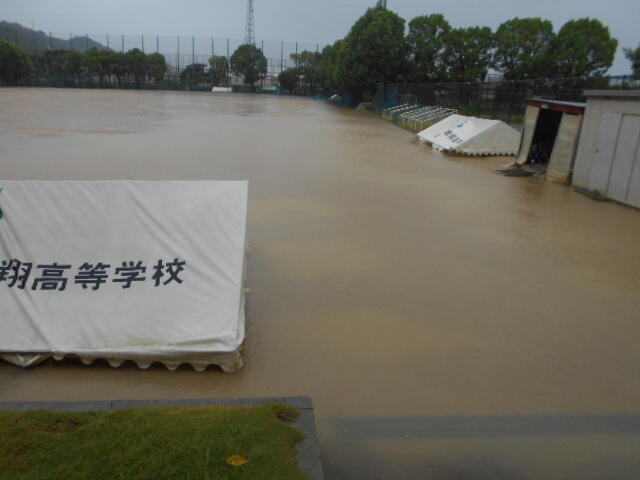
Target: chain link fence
x=501 y=99
x=495 y=98
x=179 y=52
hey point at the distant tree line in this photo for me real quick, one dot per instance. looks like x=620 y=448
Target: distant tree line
x=105 y=67
x=108 y=67
x=634 y=57
x=304 y=77
x=15 y=64
x=377 y=51
x=247 y=62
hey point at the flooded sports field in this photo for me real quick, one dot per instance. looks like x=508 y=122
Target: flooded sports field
x=449 y=323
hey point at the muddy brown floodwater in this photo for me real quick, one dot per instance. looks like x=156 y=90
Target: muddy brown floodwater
x=449 y=323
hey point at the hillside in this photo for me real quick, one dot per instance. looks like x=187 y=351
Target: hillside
x=37 y=41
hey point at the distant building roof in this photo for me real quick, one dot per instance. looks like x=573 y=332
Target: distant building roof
x=560 y=102
x=571 y=107
x=631 y=94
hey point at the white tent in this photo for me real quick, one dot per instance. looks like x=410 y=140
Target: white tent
x=142 y=271
x=472 y=136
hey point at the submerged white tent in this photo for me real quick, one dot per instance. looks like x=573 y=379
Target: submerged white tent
x=142 y=271
x=472 y=136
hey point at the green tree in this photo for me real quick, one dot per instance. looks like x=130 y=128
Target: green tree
x=54 y=61
x=468 y=54
x=156 y=66
x=15 y=64
x=249 y=62
x=634 y=58
x=330 y=67
x=427 y=39
x=72 y=64
x=219 y=70
x=307 y=64
x=373 y=52
x=96 y=62
x=288 y=79
x=523 y=48
x=583 y=47
x=194 y=74
x=118 y=67
x=136 y=64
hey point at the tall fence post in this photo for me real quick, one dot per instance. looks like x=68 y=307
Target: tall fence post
x=513 y=100
x=178 y=60
x=193 y=60
x=229 y=65
x=296 y=67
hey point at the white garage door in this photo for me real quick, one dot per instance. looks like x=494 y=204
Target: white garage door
x=616 y=170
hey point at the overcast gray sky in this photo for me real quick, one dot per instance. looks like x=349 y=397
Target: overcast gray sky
x=313 y=21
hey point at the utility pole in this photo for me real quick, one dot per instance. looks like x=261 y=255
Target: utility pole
x=250 y=34
x=193 y=60
x=228 y=65
x=178 y=57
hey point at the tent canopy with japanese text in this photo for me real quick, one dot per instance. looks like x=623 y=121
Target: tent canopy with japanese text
x=472 y=136
x=142 y=271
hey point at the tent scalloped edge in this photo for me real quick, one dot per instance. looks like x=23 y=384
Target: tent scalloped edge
x=230 y=362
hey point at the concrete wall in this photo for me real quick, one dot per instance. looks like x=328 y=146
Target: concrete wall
x=530 y=121
x=564 y=149
x=608 y=158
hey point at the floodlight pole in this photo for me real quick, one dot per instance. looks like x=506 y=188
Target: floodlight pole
x=250 y=34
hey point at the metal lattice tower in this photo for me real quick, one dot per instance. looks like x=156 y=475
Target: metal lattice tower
x=250 y=34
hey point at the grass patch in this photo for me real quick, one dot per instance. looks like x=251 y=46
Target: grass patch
x=596 y=195
x=592 y=194
x=185 y=443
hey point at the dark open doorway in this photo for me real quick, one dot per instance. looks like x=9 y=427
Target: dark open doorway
x=544 y=136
